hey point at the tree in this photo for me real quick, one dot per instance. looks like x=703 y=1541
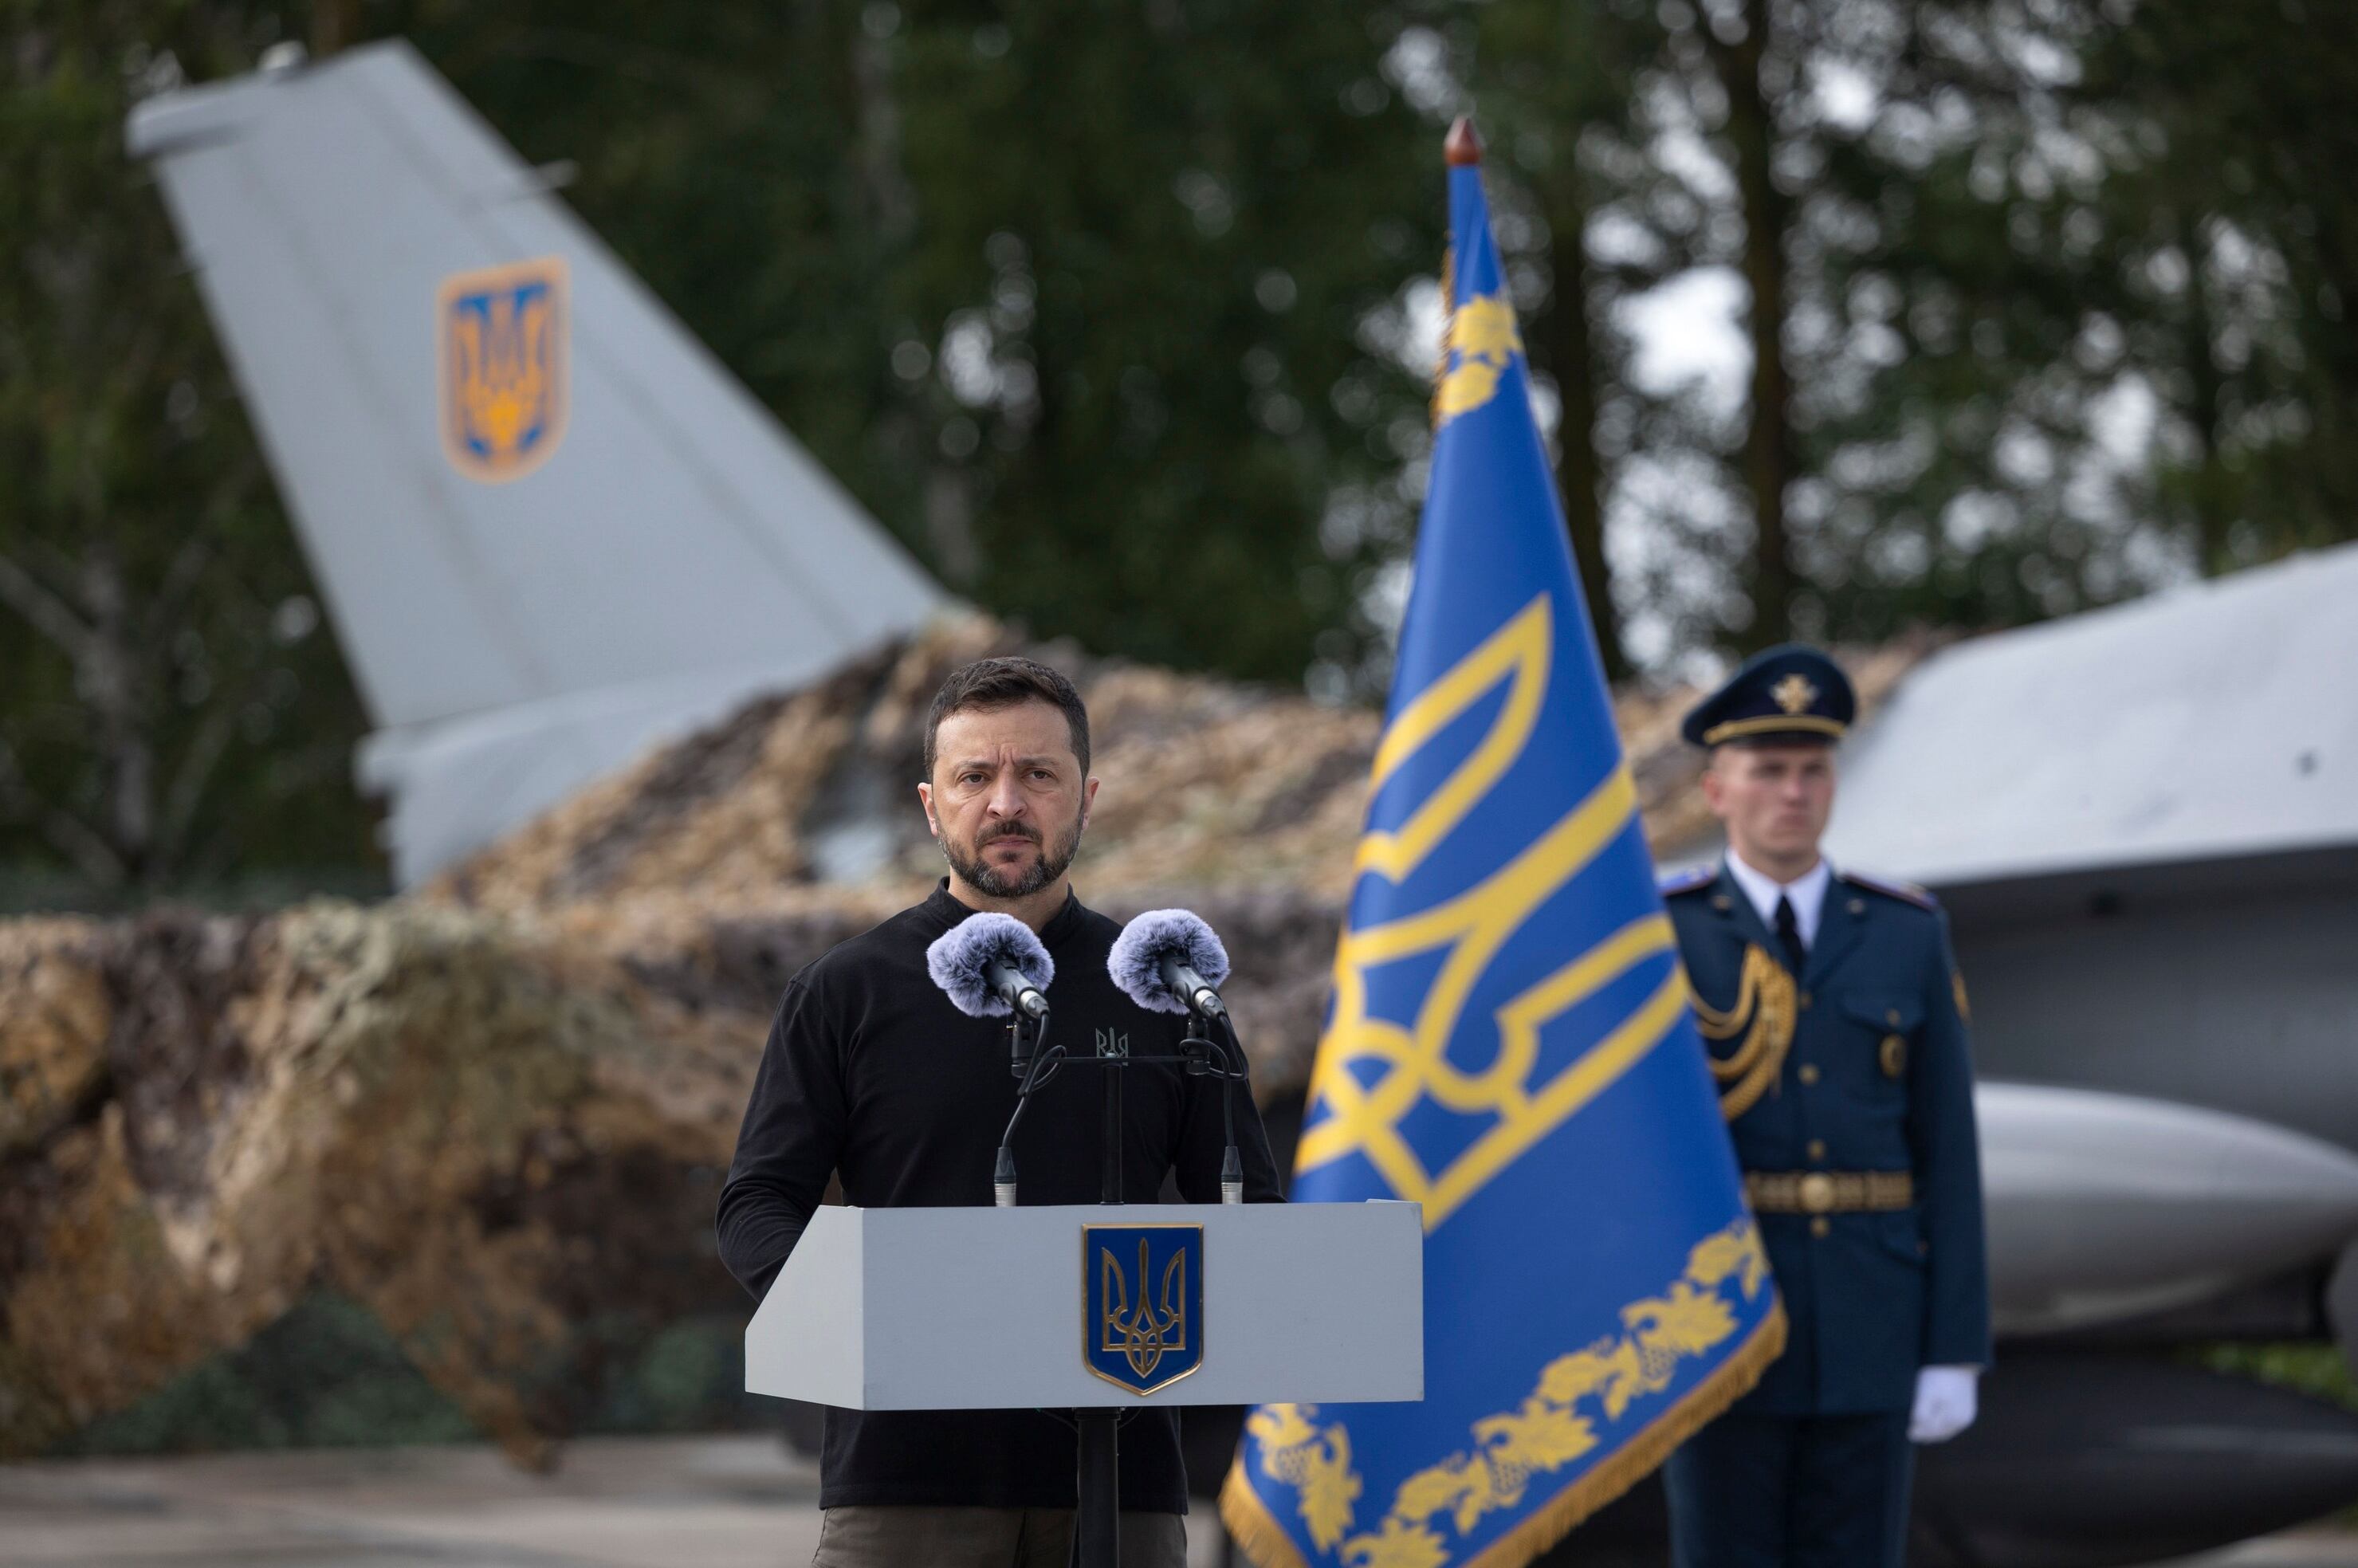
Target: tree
x=1107 y=313
x=1072 y=297
x=1556 y=91
x=2227 y=221
x=171 y=708
x=1903 y=195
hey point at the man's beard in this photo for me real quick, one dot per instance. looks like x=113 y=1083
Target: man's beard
x=1051 y=863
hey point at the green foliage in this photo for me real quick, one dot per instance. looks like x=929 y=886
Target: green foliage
x=688 y=1377
x=1071 y=295
x=2318 y=1371
x=1106 y=312
x=2233 y=234
x=173 y=710
x=327 y=1375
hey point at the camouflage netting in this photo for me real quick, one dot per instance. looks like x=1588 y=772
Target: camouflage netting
x=498 y=1109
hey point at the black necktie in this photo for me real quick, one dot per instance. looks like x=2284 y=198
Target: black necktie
x=1788 y=934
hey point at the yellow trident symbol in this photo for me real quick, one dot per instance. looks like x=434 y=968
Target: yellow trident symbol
x=500 y=340
x=1413 y=1062
x=502 y=345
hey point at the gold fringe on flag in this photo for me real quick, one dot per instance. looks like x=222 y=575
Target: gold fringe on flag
x=1266 y=1544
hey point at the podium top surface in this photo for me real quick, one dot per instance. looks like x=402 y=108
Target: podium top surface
x=984 y=1308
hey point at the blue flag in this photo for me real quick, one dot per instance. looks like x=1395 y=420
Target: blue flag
x=1510 y=1046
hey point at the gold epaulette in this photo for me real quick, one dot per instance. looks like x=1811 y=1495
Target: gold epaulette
x=1765 y=1014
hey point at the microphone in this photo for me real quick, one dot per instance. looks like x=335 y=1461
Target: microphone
x=1168 y=960
x=991 y=965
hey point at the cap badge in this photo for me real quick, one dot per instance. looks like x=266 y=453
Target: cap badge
x=1794 y=692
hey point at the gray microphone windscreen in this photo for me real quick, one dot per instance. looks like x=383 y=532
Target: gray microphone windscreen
x=1135 y=963
x=959 y=958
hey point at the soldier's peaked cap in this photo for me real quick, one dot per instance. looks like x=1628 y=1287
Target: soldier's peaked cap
x=1788 y=692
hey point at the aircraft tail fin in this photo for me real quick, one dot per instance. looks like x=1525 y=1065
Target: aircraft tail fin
x=550 y=527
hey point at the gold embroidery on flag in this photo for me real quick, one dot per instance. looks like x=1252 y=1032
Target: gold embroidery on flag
x=1547 y=1432
x=1482 y=340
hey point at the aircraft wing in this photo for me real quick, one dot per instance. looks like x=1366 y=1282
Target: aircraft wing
x=2205 y=723
x=550 y=527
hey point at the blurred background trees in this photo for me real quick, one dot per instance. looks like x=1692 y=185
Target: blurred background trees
x=1846 y=315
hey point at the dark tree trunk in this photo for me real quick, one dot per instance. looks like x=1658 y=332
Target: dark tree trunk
x=1768 y=460
x=2208 y=493
x=1567 y=350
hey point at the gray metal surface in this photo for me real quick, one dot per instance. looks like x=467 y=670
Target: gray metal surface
x=2244 y=1000
x=981 y=1308
x=677 y=551
x=2144 y=822
x=2201 y=722
x=2104 y=1207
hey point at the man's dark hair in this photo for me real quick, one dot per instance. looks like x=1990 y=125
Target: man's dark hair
x=987 y=684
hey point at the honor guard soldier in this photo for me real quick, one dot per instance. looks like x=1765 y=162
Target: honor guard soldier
x=1834 y=1019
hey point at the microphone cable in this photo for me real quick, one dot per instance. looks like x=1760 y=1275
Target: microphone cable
x=1045 y=1059
x=1231 y=1069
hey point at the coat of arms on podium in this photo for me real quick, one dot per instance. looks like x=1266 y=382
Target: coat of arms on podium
x=500 y=338
x=1142 y=1304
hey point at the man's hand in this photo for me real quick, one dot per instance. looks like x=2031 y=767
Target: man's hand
x=1946 y=1402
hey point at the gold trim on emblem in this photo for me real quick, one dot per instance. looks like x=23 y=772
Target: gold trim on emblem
x=1147 y=1333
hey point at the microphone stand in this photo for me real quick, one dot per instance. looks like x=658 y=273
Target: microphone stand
x=1206 y=1056
x=1097 y=1525
x=1097 y=1522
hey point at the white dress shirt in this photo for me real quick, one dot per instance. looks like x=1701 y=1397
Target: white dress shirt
x=1807 y=891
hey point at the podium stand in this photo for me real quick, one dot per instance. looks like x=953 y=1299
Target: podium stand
x=984 y=1309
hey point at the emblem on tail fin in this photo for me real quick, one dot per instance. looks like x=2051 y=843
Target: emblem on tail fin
x=1143 y=1330
x=500 y=337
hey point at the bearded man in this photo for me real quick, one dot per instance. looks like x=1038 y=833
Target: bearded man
x=871 y=1075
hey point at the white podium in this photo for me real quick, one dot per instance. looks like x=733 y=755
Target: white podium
x=982 y=1308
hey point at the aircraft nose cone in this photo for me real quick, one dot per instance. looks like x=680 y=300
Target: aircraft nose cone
x=2105 y=1206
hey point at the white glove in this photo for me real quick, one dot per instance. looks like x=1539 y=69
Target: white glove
x=1945 y=1401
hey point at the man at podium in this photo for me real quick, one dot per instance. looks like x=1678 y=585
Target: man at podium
x=871 y=1074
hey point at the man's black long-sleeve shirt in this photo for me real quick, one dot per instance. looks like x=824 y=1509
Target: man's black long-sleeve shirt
x=872 y=1074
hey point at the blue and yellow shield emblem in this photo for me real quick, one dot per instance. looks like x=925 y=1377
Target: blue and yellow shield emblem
x=1142 y=1304
x=501 y=354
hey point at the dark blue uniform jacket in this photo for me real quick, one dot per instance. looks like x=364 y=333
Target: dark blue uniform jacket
x=1869 y=1297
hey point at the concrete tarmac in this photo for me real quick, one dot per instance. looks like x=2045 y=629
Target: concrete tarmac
x=740 y=1501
